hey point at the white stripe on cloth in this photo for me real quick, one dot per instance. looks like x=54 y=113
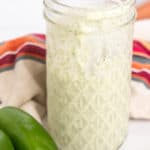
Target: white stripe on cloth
x=141 y=70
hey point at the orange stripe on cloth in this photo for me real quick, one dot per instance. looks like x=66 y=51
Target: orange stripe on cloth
x=138 y=65
x=146 y=44
x=143 y=11
x=16 y=43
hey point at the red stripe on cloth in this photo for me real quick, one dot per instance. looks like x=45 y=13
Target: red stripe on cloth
x=142 y=76
x=33 y=49
x=140 y=48
x=142 y=79
x=6 y=65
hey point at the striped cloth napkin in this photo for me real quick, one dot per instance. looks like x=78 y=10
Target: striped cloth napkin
x=23 y=72
x=140 y=102
x=141 y=62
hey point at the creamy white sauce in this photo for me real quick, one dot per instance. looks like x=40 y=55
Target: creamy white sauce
x=88 y=77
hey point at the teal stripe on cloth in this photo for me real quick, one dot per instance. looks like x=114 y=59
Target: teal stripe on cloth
x=142 y=60
x=12 y=66
x=30 y=58
x=7 y=69
x=141 y=81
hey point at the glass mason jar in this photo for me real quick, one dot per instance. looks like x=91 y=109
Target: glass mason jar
x=89 y=53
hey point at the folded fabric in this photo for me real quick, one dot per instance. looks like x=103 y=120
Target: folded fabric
x=23 y=76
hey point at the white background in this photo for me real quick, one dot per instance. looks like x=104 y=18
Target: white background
x=18 y=17
x=22 y=16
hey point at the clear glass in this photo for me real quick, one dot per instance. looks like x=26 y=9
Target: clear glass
x=89 y=51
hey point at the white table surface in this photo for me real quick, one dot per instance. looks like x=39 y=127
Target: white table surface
x=18 y=17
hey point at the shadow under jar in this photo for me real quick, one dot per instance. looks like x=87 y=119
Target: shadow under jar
x=89 y=53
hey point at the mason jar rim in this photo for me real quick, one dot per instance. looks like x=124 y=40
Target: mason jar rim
x=131 y=14
x=126 y=2
x=108 y=13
